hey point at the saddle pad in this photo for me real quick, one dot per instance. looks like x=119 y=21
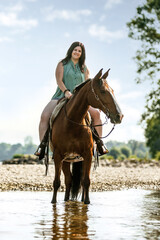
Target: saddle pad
x=56 y=111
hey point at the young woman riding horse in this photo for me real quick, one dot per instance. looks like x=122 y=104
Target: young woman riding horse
x=70 y=134
x=70 y=72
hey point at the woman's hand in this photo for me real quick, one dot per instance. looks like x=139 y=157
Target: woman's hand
x=68 y=94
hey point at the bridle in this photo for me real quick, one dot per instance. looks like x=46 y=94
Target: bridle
x=106 y=112
x=99 y=100
x=93 y=126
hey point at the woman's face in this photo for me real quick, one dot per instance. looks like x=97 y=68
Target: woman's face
x=77 y=52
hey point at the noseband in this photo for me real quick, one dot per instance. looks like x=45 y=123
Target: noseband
x=99 y=100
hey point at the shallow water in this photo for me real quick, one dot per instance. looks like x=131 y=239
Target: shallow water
x=128 y=214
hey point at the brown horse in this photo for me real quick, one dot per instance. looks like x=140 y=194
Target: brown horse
x=70 y=134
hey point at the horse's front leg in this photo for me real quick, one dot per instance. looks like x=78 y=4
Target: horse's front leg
x=86 y=177
x=56 y=182
x=68 y=179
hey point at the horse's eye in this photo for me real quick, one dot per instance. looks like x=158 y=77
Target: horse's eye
x=102 y=91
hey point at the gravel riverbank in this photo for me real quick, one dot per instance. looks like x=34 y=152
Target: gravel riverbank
x=31 y=178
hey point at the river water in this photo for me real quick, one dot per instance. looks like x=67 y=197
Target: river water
x=128 y=214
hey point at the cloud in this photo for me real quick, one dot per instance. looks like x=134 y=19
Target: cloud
x=15 y=8
x=128 y=129
x=115 y=85
x=9 y=18
x=52 y=14
x=111 y=3
x=131 y=95
x=104 y=35
x=67 y=35
x=5 y=39
x=31 y=0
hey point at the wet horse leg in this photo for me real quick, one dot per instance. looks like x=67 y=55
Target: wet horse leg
x=56 y=182
x=82 y=199
x=68 y=179
x=86 y=178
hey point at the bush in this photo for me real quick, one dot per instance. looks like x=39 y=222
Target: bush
x=18 y=155
x=122 y=157
x=125 y=151
x=158 y=156
x=110 y=157
x=115 y=153
x=133 y=157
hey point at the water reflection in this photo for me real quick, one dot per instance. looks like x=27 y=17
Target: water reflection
x=113 y=215
x=151 y=215
x=69 y=222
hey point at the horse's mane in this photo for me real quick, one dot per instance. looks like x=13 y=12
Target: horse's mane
x=80 y=86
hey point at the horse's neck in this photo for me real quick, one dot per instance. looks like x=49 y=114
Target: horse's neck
x=77 y=107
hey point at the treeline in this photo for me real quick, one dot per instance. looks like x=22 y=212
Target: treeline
x=8 y=150
x=116 y=149
x=133 y=148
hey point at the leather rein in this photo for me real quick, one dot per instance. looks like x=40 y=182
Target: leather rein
x=93 y=126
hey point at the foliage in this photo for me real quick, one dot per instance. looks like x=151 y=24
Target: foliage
x=151 y=121
x=125 y=151
x=145 y=27
x=122 y=157
x=18 y=155
x=134 y=147
x=133 y=157
x=152 y=133
x=8 y=150
x=109 y=157
x=115 y=152
x=158 y=156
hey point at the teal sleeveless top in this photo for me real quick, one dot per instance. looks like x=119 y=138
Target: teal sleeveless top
x=72 y=76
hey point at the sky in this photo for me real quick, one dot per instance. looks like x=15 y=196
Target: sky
x=36 y=34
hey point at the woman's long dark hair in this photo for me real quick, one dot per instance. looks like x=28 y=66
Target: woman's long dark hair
x=69 y=55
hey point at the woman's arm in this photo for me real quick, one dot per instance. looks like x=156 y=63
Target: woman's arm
x=59 y=79
x=86 y=74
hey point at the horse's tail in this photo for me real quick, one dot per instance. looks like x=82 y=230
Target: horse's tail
x=76 y=179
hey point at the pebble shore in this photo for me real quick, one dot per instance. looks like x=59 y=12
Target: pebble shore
x=104 y=178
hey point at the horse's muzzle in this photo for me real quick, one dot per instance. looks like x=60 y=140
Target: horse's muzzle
x=117 y=118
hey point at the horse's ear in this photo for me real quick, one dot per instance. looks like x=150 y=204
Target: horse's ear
x=99 y=74
x=105 y=75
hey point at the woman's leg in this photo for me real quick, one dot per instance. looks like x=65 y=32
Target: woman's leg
x=95 y=115
x=43 y=125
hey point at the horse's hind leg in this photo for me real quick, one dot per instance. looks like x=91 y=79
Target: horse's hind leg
x=68 y=179
x=56 y=182
x=86 y=179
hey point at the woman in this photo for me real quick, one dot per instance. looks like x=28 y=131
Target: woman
x=70 y=72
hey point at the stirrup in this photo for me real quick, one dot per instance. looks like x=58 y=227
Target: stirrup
x=40 y=152
x=101 y=147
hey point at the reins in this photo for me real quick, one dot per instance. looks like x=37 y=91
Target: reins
x=92 y=126
x=89 y=126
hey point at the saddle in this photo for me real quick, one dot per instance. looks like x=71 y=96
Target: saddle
x=46 y=141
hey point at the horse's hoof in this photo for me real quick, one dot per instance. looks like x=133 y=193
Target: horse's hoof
x=53 y=201
x=86 y=202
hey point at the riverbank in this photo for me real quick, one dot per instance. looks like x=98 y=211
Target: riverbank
x=31 y=178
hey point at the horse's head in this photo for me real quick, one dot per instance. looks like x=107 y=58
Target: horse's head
x=102 y=97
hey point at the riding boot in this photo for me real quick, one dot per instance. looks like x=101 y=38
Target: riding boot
x=40 y=152
x=100 y=145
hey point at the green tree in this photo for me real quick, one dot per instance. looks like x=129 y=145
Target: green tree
x=125 y=151
x=145 y=27
x=115 y=152
x=8 y=150
x=152 y=133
